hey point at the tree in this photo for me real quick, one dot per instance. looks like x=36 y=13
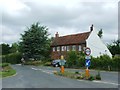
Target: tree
x=114 y=47
x=100 y=33
x=14 y=48
x=35 y=42
x=5 y=48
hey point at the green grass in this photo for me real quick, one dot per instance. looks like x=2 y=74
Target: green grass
x=7 y=71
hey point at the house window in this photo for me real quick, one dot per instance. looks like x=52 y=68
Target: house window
x=73 y=47
x=68 y=48
x=53 y=49
x=63 y=48
x=58 y=48
x=79 y=48
x=84 y=48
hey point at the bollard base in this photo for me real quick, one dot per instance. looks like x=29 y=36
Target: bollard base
x=87 y=74
x=62 y=69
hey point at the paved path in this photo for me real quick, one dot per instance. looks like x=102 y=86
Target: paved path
x=42 y=77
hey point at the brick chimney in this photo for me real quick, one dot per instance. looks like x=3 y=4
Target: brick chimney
x=91 y=28
x=56 y=35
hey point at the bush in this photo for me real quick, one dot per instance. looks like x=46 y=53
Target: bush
x=47 y=64
x=76 y=72
x=12 y=58
x=4 y=65
x=91 y=78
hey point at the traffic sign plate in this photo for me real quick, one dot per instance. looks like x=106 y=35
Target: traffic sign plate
x=87 y=63
x=87 y=51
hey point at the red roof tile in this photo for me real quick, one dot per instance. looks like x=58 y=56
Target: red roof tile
x=71 y=39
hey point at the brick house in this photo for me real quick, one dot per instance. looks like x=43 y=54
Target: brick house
x=78 y=42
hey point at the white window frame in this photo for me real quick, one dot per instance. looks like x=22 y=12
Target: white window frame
x=62 y=48
x=74 y=48
x=80 y=48
x=53 y=49
x=58 y=48
x=68 y=48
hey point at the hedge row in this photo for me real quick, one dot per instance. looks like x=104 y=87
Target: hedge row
x=103 y=62
x=12 y=58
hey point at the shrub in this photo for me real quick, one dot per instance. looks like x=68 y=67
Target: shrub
x=47 y=64
x=12 y=58
x=71 y=59
x=91 y=78
x=76 y=72
x=4 y=65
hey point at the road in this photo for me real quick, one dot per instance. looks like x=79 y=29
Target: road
x=43 y=77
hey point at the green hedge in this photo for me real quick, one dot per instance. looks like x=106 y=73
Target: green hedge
x=4 y=64
x=12 y=58
x=104 y=62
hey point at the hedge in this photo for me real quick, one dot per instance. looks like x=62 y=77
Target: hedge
x=103 y=62
x=12 y=58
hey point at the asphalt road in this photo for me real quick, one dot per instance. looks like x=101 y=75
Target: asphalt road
x=43 y=77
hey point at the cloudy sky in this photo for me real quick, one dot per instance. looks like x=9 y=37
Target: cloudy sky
x=63 y=16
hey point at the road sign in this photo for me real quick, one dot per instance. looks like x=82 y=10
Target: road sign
x=62 y=62
x=87 y=57
x=87 y=51
x=87 y=62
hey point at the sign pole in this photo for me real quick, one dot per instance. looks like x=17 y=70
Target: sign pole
x=87 y=52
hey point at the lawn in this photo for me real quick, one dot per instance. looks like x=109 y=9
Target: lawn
x=6 y=70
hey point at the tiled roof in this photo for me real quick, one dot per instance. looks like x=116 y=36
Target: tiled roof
x=71 y=39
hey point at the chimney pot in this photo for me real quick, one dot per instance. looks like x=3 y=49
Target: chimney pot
x=91 y=28
x=56 y=35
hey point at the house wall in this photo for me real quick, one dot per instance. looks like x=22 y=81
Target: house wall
x=57 y=54
x=96 y=45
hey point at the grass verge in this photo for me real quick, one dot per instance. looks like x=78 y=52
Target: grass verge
x=7 y=71
x=78 y=75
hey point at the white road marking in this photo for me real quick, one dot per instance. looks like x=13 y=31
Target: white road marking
x=106 y=82
x=45 y=71
x=101 y=82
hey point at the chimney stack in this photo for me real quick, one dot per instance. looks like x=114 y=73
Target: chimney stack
x=56 y=35
x=91 y=28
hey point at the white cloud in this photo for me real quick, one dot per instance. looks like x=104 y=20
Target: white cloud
x=63 y=16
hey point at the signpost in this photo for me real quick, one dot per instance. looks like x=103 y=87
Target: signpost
x=87 y=61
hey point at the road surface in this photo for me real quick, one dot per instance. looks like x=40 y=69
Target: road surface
x=43 y=77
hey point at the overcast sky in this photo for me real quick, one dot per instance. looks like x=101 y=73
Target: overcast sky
x=63 y=16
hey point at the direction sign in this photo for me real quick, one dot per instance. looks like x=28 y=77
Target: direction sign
x=87 y=51
x=87 y=63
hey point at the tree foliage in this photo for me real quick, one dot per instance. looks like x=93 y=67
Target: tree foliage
x=100 y=33
x=14 y=48
x=5 y=49
x=35 y=42
x=114 y=47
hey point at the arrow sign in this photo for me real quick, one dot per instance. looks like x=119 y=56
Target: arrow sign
x=87 y=63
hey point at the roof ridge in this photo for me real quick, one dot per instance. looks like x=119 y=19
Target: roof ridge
x=74 y=34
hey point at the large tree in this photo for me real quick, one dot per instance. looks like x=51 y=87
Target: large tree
x=35 y=42
x=114 y=47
